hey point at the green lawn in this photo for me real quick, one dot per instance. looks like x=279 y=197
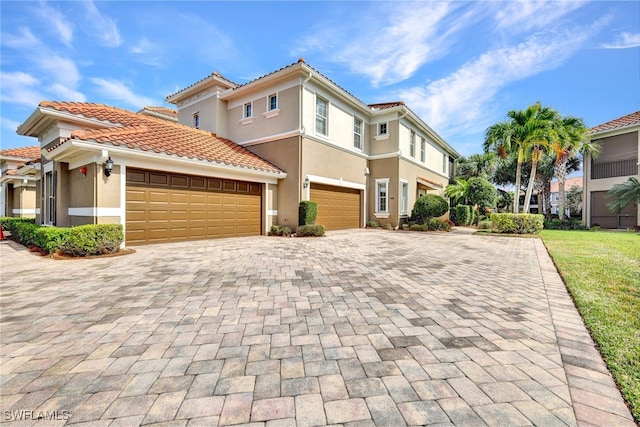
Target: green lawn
x=602 y=272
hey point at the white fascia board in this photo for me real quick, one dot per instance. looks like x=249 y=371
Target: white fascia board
x=95 y=211
x=148 y=160
x=614 y=132
x=44 y=113
x=395 y=154
x=257 y=141
x=315 y=179
x=210 y=82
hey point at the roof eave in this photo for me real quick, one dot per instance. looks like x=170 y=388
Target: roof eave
x=207 y=82
x=617 y=130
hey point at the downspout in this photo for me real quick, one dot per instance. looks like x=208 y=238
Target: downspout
x=302 y=132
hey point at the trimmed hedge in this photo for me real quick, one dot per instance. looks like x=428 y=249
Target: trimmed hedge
x=307 y=212
x=279 y=230
x=427 y=207
x=373 y=224
x=434 y=224
x=566 y=224
x=310 y=230
x=517 y=223
x=463 y=214
x=93 y=239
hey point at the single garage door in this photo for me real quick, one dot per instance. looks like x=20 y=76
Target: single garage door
x=165 y=207
x=338 y=207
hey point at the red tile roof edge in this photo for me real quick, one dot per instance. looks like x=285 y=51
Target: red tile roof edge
x=628 y=120
x=31 y=152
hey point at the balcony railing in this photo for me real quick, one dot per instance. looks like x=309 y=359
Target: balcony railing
x=613 y=169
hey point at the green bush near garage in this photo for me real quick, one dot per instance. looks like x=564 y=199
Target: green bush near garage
x=310 y=231
x=307 y=212
x=84 y=240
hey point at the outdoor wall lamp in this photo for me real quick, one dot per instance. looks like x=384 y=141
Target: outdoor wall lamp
x=108 y=167
x=305 y=184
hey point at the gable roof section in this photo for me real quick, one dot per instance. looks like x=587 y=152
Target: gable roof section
x=21 y=153
x=620 y=122
x=160 y=112
x=147 y=133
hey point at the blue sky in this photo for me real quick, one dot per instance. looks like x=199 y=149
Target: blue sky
x=459 y=65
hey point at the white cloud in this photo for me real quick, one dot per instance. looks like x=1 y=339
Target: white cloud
x=526 y=15
x=66 y=93
x=24 y=40
x=624 y=41
x=116 y=90
x=61 y=70
x=12 y=125
x=389 y=43
x=56 y=20
x=20 y=88
x=148 y=53
x=461 y=102
x=101 y=26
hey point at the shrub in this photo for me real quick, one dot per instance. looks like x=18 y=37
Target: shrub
x=517 y=223
x=436 y=224
x=419 y=227
x=307 y=212
x=485 y=224
x=50 y=239
x=568 y=224
x=388 y=226
x=279 y=230
x=482 y=193
x=373 y=224
x=405 y=226
x=95 y=239
x=463 y=214
x=310 y=230
x=24 y=231
x=428 y=206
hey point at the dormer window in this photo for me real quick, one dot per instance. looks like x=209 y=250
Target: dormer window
x=196 y=120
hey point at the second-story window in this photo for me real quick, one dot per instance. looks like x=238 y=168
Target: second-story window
x=357 y=133
x=248 y=110
x=273 y=102
x=382 y=129
x=412 y=144
x=423 y=148
x=321 y=116
x=196 y=121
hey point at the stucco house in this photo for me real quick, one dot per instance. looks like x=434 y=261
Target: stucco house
x=236 y=159
x=619 y=140
x=18 y=176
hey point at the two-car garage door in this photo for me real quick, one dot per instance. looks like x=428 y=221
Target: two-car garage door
x=166 y=207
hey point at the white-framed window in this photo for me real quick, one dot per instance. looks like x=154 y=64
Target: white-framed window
x=382 y=196
x=383 y=128
x=272 y=102
x=357 y=133
x=247 y=110
x=423 y=150
x=322 y=110
x=404 y=197
x=412 y=144
x=196 y=120
x=50 y=198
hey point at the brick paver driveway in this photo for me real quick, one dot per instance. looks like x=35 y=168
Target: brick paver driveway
x=362 y=327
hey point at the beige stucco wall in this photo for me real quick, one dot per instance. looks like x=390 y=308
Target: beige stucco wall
x=381 y=169
x=284 y=153
x=264 y=124
x=271 y=200
x=207 y=110
x=62 y=194
x=380 y=146
x=322 y=159
x=82 y=188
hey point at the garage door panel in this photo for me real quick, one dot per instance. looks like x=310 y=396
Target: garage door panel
x=162 y=207
x=338 y=207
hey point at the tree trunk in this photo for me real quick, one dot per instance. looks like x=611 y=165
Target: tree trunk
x=532 y=178
x=561 y=171
x=547 y=195
x=516 y=198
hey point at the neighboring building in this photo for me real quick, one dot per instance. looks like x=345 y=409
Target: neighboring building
x=619 y=140
x=18 y=177
x=240 y=159
x=555 y=193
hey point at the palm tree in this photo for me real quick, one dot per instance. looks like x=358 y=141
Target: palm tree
x=626 y=193
x=525 y=132
x=481 y=165
x=458 y=192
x=572 y=140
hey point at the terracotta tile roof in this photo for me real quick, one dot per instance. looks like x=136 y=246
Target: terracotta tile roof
x=29 y=153
x=165 y=111
x=628 y=120
x=568 y=183
x=147 y=133
x=214 y=74
x=385 y=105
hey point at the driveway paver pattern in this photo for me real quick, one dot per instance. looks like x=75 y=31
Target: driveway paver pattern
x=362 y=327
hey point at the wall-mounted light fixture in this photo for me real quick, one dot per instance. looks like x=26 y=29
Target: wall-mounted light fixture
x=108 y=167
x=305 y=184
x=83 y=170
